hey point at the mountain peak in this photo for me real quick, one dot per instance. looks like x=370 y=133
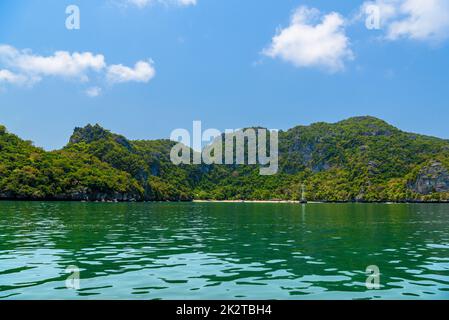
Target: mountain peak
x=368 y=125
x=92 y=133
x=364 y=117
x=89 y=133
x=365 y=120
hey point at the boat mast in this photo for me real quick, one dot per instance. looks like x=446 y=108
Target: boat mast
x=303 y=193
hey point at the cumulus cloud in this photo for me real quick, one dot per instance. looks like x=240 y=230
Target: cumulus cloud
x=7 y=76
x=424 y=20
x=142 y=72
x=24 y=67
x=60 y=64
x=312 y=40
x=144 y=3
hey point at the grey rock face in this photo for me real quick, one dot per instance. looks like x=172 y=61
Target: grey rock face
x=432 y=178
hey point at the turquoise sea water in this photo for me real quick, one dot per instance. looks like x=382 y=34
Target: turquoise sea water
x=223 y=250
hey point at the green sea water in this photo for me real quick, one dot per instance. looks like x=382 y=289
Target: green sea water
x=223 y=250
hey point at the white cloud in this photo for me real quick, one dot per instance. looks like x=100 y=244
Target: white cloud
x=7 y=76
x=312 y=40
x=142 y=72
x=61 y=63
x=424 y=20
x=140 y=3
x=94 y=92
x=23 y=67
x=144 y=3
x=187 y=2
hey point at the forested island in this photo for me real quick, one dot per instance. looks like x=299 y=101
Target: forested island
x=361 y=159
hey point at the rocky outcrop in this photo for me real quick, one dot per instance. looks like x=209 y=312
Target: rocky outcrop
x=433 y=177
x=91 y=133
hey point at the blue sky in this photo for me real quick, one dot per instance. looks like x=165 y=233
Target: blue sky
x=228 y=63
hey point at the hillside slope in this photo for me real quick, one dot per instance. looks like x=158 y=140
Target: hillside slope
x=358 y=159
x=27 y=172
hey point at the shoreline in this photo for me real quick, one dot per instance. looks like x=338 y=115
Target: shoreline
x=318 y=202
x=254 y=201
x=224 y=201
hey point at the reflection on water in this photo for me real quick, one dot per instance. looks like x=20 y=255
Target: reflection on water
x=223 y=251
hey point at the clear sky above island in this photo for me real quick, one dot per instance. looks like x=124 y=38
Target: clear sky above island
x=144 y=69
